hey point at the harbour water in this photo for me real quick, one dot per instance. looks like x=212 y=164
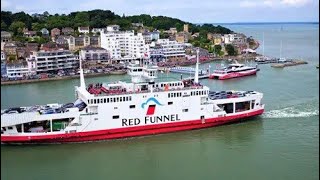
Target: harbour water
x=283 y=143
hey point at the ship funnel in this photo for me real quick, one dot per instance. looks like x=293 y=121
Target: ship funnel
x=196 y=74
x=82 y=83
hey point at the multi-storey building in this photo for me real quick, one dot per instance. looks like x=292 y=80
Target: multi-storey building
x=76 y=43
x=5 y=37
x=93 y=55
x=166 y=50
x=50 y=61
x=3 y=64
x=124 y=45
x=18 y=69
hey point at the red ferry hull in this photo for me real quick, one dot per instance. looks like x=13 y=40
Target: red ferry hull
x=127 y=132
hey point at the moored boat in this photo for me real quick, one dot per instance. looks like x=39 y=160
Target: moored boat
x=126 y=109
x=233 y=71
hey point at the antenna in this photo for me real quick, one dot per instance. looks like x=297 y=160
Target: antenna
x=82 y=83
x=263 y=44
x=280 y=48
x=196 y=74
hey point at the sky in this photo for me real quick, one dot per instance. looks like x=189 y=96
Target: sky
x=194 y=11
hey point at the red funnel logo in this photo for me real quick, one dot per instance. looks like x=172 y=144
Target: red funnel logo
x=151 y=109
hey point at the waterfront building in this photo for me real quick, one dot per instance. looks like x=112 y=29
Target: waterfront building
x=94 y=55
x=76 y=43
x=3 y=64
x=166 y=50
x=52 y=61
x=124 y=45
x=67 y=30
x=18 y=69
x=84 y=30
x=151 y=36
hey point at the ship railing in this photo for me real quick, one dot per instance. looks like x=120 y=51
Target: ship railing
x=148 y=91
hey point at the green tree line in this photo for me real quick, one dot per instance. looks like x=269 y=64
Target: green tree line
x=15 y=22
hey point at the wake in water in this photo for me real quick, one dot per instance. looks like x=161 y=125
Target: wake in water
x=302 y=110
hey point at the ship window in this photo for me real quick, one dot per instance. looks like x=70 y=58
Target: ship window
x=114 y=99
x=117 y=99
x=115 y=117
x=132 y=106
x=120 y=99
x=115 y=108
x=111 y=99
x=88 y=101
x=104 y=100
x=91 y=101
x=130 y=98
x=10 y=127
x=95 y=101
x=184 y=110
x=168 y=95
x=170 y=103
x=107 y=100
x=252 y=104
x=101 y=100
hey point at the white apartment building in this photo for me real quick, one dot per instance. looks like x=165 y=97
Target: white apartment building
x=94 y=54
x=48 y=61
x=164 y=50
x=124 y=45
x=18 y=70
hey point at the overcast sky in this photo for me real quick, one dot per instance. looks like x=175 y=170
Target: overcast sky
x=194 y=11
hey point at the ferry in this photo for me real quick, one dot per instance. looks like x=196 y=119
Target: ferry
x=186 y=70
x=233 y=71
x=141 y=107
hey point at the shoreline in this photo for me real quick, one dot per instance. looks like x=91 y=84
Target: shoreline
x=26 y=81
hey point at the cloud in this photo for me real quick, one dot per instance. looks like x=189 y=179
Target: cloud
x=273 y=3
x=5 y=4
x=295 y=2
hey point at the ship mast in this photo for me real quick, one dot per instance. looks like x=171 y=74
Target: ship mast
x=196 y=74
x=82 y=83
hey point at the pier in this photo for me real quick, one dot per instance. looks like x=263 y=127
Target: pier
x=290 y=63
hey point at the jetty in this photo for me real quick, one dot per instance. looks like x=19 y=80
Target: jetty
x=291 y=63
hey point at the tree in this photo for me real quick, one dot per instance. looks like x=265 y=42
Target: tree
x=3 y=26
x=217 y=49
x=36 y=26
x=231 y=50
x=17 y=27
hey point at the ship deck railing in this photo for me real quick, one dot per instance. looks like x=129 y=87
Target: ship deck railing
x=148 y=91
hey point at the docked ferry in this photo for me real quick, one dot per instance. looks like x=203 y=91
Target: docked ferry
x=233 y=71
x=141 y=107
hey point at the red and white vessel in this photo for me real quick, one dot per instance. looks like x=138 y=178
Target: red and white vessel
x=119 y=110
x=233 y=71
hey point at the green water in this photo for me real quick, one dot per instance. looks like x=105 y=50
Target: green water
x=283 y=143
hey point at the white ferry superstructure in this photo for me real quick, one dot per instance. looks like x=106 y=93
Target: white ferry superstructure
x=120 y=110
